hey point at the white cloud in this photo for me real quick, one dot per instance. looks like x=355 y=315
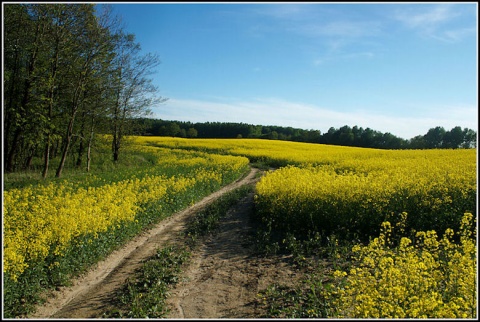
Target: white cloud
x=430 y=18
x=329 y=24
x=436 y=21
x=455 y=35
x=344 y=29
x=272 y=111
x=329 y=32
x=335 y=57
x=284 y=11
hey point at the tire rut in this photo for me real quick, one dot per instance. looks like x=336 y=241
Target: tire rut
x=225 y=274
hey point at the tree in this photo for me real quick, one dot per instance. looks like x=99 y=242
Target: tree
x=434 y=137
x=192 y=133
x=345 y=136
x=368 y=138
x=25 y=36
x=87 y=44
x=417 y=142
x=66 y=69
x=273 y=135
x=469 y=138
x=97 y=91
x=390 y=141
x=45 y=77
x=173 y=129
x=134 y=91
x=454 y=138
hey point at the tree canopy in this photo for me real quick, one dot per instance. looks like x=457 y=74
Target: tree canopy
x=436 y=137
x=69 y=72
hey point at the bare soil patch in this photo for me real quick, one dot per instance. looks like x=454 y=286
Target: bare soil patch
x=225 y=275
x=222 y=280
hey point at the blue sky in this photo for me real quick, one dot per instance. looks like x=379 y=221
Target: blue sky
x=393 y=67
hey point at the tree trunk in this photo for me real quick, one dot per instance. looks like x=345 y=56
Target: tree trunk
x=75 y=107
x=66 y=146
x=9 y=166
x=81 y=147
x=46 y=158
x=81 y=151
x=50 y=109
x=90 y=141
x=68 y=137
x=28 y=161
x=116 y=146
x=89 y=150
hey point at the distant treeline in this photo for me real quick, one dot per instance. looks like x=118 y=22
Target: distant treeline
x=436 y=137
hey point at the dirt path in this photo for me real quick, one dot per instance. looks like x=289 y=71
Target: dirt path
x=225 y=277
x=90 y=294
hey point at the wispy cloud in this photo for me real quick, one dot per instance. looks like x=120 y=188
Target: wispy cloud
x=315 y=20
x=429 y=18
x=333 y=56
x=456 y=35
x=284 y=11
x=348 y=56
x=435 y=21
x=339 y=28
x=273 y=111
x=331 y=33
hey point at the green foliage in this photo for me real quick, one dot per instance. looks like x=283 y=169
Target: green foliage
x=307 y=300
x=206 y=221
x=70 y=73
x=144 y=295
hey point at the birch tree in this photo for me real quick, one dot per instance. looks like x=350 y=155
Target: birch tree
x=134 y=92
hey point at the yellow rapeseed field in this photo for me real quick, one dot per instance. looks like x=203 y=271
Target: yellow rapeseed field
x=436 y=188
x=341 y=192
x=358 y=193
x=42 y=220
x=428 y=278
x=325 y=187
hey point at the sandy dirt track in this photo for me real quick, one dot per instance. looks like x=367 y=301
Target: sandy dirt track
x=225 y=275
x=221 y=282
